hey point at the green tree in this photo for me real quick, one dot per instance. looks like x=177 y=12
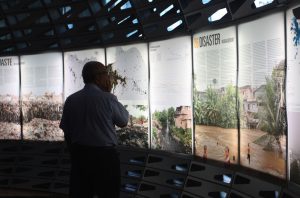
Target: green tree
x=141 y=107
x=198 y=112
x=171 y=115
x=272 y=112
x=216 y=108
x=228 y=108
x=211 y=106
x=241 y=112
x=161 y=117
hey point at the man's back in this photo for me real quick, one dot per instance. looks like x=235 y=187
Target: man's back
x=90 y=116
x=88 y=122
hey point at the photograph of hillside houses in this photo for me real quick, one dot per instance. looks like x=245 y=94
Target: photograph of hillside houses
x=216 y=133
x=172 y=129
x=263 y=123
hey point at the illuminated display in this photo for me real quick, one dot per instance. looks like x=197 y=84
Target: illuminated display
x=73 y=64
x=10 y=127
x=131 y=64
x=170 y=88
x=293 y=91
x=261 y=95
x=42 y=96
x=215 y=70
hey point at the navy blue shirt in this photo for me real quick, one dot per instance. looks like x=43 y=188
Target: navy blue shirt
x=90 y=116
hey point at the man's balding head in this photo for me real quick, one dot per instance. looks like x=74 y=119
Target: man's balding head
x=96 y=73
x=92 y=70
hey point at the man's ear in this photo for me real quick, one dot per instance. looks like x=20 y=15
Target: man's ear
x=104 y=83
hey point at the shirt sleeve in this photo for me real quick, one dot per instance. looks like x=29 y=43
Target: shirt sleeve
x=64 y=122
x=119 y=113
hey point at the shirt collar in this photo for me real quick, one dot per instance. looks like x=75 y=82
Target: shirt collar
x=91 y=86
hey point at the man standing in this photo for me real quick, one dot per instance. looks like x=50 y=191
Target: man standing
x=88 y=121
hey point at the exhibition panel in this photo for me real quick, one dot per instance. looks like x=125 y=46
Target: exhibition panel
x=129 y=64
x=215 y=98
x=170 y=94
x=261 y=87
x=42 y=96
x=293 y=91
x=73 y=64
x=10 y=127
x=225 y=95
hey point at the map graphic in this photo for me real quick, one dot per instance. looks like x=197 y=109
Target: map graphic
x=131 y=63
x=74 y=62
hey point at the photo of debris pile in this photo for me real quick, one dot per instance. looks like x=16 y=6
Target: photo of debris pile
x=10 y=120
x=129 y=70
x=136 y=132
x=42 y=96
x=41 y=117
x=9 y=117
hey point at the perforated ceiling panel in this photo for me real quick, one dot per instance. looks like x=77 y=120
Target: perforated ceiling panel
x=29 y=26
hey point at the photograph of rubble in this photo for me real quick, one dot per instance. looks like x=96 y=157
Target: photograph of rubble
x=10 y=120
x=136 y=132
x=42 y=96
x=129 y=68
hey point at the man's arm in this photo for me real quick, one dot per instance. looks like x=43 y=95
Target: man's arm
x=119 y=113
x=64 y=124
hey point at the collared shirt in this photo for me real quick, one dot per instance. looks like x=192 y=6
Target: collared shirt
x=90 y=115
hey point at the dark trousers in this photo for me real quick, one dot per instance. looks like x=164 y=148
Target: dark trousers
x=94 y=171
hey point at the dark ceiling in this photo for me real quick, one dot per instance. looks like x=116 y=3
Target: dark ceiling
x=30 y=26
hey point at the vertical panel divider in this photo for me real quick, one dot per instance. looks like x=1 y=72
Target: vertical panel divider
x=287 y=156
x=20 y=100
x=63 y=75
x=192 y=93
x=105 y=56
x=237 y=95
x=149 y=100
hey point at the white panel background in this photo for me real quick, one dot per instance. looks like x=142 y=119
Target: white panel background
x=73 y=64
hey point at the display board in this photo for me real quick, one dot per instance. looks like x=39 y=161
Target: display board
x=42 y=96
x=261 y=85
x=293 y=91
x=10 y=127
x=73 y=64
x=131 y=65
x=215 y=74
x=171 y=94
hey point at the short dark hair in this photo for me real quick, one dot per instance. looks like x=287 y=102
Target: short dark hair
x=91 y=70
